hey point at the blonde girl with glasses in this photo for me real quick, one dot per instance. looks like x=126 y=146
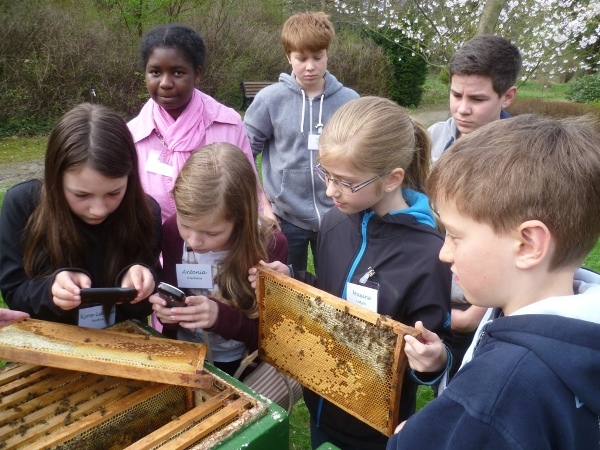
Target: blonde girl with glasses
x=378 y=247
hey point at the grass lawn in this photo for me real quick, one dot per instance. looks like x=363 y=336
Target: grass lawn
x=16 y=150
x=436 y=92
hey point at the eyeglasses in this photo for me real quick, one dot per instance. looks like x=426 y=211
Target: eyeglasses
x=342 y=186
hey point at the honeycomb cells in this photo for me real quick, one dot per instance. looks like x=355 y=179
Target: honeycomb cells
x=342 y=357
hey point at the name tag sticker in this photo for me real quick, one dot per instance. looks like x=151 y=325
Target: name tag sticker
x=93 y=317
x=363 y=295
x=154 y=165
x=313 y=141
x=194 y=276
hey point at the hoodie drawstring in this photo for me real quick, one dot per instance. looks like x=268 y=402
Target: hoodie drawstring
x=319 y=126
x=303 y=108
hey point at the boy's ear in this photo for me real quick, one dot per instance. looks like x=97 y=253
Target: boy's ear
x=509 y=96
x=535 y=242
x=198 y=76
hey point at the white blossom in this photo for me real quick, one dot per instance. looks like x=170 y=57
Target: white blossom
x=543 y=30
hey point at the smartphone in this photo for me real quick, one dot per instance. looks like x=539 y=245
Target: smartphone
x=173 y=296
x=108 y=295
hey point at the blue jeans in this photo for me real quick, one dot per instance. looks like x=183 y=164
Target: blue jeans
x=298 y=242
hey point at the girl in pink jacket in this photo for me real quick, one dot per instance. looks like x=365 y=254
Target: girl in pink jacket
x=178 y=119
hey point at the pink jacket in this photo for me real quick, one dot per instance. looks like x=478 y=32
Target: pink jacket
x=222 y=124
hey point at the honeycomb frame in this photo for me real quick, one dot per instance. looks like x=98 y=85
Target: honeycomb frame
x=347 y=354
x=104 y=352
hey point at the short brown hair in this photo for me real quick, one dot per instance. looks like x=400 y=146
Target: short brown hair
x=489 y=55
x=528 y=168
x=312 y=31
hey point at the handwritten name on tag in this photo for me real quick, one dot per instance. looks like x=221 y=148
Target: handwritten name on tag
x=93 y=317
x=194 y=276
x=362 y=295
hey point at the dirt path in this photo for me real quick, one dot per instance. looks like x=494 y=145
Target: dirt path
x=14 y=173
x=429 y=116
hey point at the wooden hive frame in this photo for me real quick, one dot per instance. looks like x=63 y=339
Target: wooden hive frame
x=44 y=408
x=349 y=355
x=105 y=352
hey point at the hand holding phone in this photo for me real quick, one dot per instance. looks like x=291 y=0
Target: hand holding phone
x=174 y=297
x=108 y=295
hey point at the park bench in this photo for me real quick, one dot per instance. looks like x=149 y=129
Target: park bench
x=250 y=89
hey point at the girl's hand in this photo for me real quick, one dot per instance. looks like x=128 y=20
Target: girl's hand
x=159 y=305
x=277 y=266
x=140 y=278
x=201 y=312
x=9 y=316
x=467 y=320
x=66 y=289
x=427 y=354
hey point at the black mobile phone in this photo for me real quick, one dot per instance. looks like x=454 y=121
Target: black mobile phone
x=173 y=296
x=108 y=295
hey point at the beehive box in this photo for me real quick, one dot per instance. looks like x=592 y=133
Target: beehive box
x=347 y=354
x=44 y=407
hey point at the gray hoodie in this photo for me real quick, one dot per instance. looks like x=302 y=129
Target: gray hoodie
x=278 y=123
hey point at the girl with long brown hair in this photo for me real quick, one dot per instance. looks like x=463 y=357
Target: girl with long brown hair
x=87 y=224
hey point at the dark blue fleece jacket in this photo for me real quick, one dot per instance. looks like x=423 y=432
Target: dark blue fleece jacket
x=533 y=383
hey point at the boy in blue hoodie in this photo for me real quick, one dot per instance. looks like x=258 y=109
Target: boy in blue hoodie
x=284 y=122
x=520 y=201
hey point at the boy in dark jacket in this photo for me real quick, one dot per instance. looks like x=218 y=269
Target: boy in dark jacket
x=520 y=201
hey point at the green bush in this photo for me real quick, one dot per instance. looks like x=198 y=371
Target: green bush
x=585 y=89
x=435 y=90
x=25 y=126
x=409 y=69
x=55 y=54
x=358 y=62
x=444 y=76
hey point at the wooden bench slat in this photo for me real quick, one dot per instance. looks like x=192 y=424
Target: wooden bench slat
x=250 y=89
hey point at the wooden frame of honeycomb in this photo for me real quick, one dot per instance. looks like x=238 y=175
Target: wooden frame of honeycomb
x=106 y=352
x=349 y=355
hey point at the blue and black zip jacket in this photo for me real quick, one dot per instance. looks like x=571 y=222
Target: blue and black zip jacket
x=402 y=249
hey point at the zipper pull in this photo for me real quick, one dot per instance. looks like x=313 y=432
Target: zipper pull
x=366 y=276
x=481 y=336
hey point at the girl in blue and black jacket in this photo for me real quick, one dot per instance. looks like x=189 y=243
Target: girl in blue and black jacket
x=380 y=239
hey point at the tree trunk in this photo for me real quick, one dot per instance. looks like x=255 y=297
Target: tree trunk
x=489 y=16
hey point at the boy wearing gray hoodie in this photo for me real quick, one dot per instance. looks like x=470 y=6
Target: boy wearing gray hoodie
x=284 y=122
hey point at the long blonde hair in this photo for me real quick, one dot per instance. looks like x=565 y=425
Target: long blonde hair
x=218 y=179
x=374 y=134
